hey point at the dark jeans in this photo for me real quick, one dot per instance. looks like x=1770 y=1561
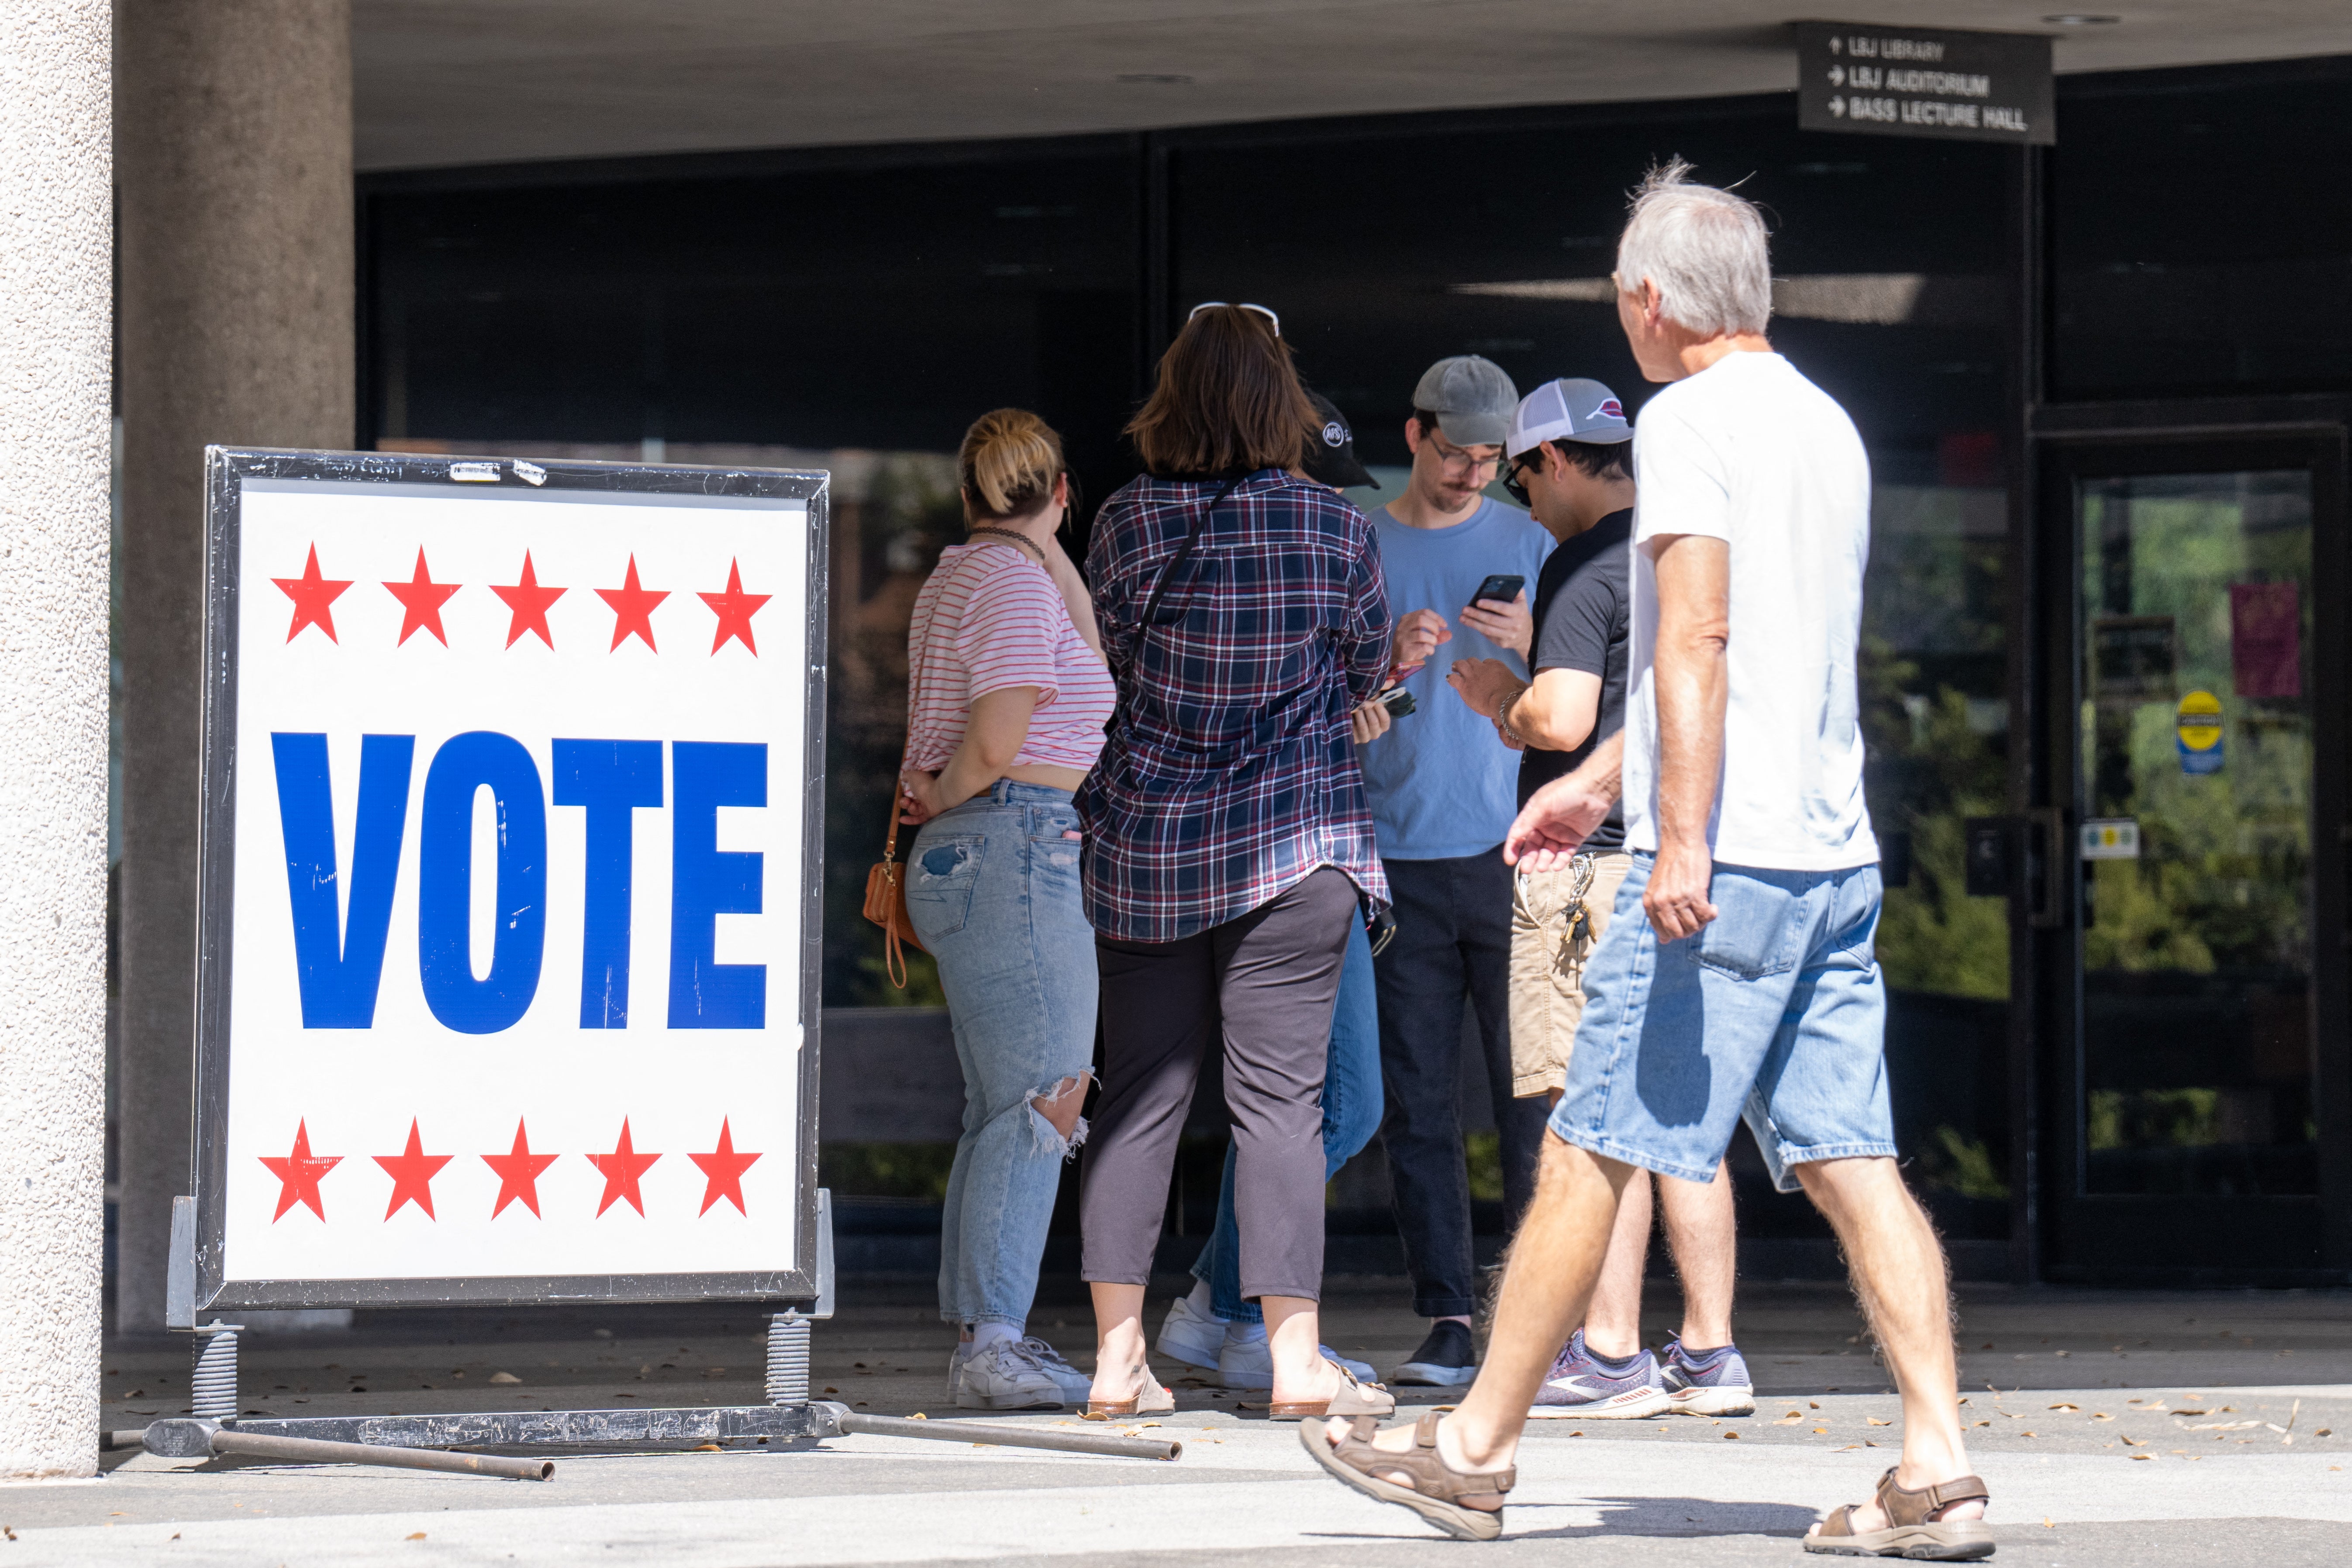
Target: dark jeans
x=1453 y=939
x=1262 y=985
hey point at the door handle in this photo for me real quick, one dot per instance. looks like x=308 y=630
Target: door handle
x=2048 y=903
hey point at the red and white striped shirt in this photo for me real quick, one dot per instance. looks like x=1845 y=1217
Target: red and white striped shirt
x=990 y=618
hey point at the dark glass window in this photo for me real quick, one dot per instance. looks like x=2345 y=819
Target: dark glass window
x=2199 y=244
x=850 y=312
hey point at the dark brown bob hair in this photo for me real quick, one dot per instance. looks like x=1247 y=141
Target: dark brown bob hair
x=1228 y=401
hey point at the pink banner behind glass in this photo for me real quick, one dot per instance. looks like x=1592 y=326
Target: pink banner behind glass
x=2266 y=639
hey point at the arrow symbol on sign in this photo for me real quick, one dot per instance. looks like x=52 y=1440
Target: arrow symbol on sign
x=1837 y=106
x=1837 y=76
x=1835 y=45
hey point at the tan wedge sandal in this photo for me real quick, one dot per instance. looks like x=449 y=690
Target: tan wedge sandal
x=1437 y=1492
x=1912 y=1530
x=1153 y=1400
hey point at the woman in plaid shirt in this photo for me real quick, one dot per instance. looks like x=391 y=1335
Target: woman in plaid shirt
x=1229 y=841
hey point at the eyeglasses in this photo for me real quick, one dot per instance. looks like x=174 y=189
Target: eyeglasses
x=1513 y=486
x=1271 y=318
x=1452 y=456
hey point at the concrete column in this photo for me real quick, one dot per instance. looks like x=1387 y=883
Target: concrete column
x=234 y=166
x=56 y=238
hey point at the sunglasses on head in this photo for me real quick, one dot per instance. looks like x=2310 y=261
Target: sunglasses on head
x=1271 y=320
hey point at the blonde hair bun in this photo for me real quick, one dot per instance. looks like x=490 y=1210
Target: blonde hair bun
x=1008 y=463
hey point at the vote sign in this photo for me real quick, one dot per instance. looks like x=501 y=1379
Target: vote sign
x=511 y=858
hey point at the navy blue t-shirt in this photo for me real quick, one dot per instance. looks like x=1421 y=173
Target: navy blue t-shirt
x=1583 y=599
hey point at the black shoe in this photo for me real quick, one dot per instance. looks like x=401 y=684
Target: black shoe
x=1446 y=1359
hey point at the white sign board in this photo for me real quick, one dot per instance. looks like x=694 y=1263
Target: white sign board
x=511 y=866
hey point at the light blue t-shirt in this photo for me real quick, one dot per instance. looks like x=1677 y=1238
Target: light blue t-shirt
x=1443 y=785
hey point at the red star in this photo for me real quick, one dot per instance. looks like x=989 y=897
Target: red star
x=300 y=1173
x=735 y=609
x=421 y=598
x=518 y=1174
x=528 y=603
x=412 y=1172
x=724 y=1168
x=633 y=607
x=622 y=1168
x=312 y=594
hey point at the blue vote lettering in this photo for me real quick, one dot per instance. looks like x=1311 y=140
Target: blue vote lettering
x=706 y=882
x=339 y=964
x=611 y=779
x=445 y=875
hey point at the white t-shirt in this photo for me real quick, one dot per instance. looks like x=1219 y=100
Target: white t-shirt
x=1750 y=452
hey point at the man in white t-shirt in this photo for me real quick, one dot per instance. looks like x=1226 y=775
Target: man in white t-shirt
x=1738 y=974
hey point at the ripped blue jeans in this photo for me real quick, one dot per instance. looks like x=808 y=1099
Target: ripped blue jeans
x=992 y=890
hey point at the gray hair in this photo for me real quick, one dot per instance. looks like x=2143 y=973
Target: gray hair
x=1704 y=248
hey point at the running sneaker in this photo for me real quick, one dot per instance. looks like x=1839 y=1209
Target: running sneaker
x=1447 y=1359
x=1247 y=1362
x=1005 y=1376
x=1192 y=1336
x=1714 y=1383
x=1579 y=1386
x=1074 y=1384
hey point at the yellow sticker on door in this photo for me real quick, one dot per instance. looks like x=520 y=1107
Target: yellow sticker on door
x=2197 y=729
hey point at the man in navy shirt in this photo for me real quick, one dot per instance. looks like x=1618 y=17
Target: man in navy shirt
x=1570 y=456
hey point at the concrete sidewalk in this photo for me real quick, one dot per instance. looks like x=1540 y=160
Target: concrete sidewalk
x=2116 y=1428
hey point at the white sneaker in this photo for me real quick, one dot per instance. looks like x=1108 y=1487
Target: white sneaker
x=1006 y=1376
x=1192 y=1336
x=1248 y=1362
x=1075 y=1384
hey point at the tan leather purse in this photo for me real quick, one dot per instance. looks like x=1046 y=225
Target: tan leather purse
x=886 y=897
x=885 y=881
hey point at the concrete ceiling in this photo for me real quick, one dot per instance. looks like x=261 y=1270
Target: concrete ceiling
x=444 y=82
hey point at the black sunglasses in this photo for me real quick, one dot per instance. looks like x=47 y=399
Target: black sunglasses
x=1512 y=487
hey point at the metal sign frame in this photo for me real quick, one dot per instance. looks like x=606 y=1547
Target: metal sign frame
x=225 y=473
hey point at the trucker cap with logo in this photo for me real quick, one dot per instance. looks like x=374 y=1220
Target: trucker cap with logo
x=1569 y=410
x=1472 y=397
x=1331 y=453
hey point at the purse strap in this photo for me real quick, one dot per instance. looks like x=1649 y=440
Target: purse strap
x=907 y=750
x=1192 y=532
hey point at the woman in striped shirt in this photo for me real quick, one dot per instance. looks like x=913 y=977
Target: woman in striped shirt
x=1007 y=700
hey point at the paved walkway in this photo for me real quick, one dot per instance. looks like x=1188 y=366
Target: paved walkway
x=2114 y=1428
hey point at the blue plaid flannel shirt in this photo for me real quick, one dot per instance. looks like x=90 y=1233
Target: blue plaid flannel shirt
x=1230 y=774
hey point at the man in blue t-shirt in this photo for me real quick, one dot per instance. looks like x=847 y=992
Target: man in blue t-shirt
x=1443 y=794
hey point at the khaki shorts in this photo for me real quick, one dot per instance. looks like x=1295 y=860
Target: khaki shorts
x=1548 y=949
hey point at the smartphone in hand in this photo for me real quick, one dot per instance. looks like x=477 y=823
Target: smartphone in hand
x=1397 y=701
x=1500 y=587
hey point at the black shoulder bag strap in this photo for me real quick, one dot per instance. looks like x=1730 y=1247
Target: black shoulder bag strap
x=1183 y=552
x=1152 y=601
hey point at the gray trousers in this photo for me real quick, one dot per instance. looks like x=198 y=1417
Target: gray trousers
x=1263 y=985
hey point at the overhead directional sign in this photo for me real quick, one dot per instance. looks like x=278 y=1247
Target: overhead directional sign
x=511 y=850
x=1920 y=81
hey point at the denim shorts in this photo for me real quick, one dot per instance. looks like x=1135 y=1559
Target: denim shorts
x=1775 y=1012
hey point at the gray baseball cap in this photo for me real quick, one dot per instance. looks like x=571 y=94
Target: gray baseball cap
x=1572 y=409
x=1472 y=397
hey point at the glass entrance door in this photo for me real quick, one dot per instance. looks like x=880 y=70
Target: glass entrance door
x=2194 y=799
x=2201 y=754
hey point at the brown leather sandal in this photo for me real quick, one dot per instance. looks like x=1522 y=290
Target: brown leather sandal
x=1353 y=1399
x=1437 y=1490
x=1911 y=1530
x=1151 y=1399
